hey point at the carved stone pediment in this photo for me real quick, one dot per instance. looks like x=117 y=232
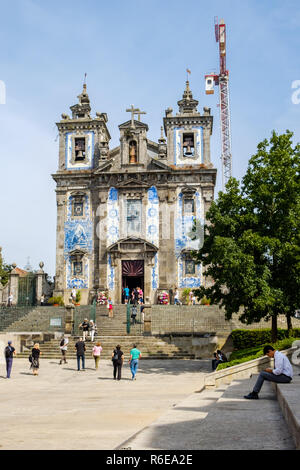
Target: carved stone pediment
x=132 y=183
x=137 y=124
x=132 y=245
x=77 y=254
x=188 y=190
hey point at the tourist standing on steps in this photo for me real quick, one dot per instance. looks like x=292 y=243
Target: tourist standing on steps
x=35 y=354
x=85 y=328
x=93 y=330
x=110 y=308
x=176 y=298
x=133 y=314
x=9 y=352
x=80 y=348
x=97 y=349
x=126 y=294
x=10 y=300
x=64 y=347
x=117 y=358
x=135 y=354
x=282 y=372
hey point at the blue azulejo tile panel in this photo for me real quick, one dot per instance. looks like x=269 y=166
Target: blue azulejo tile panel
x=113 y=217
x=110 y=274
x=152 y=217
x=72 y=281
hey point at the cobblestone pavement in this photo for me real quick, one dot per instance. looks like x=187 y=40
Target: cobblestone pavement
x=62 y=408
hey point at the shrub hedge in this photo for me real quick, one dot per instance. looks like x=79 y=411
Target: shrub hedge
x=243 y=339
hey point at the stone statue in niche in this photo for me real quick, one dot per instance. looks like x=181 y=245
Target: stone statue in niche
x=132 y=152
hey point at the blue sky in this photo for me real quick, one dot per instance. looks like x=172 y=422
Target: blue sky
x=133 y=51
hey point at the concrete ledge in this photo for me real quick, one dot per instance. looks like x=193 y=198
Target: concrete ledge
x=288 y=399
x=241 y=371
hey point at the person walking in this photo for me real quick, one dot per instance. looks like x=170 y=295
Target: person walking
x=93 y=330
x=64 y=347
x=117 y=359
x=135 y=355
x=80 y=349
x=97 y=350
x=282 y=372
x=35 y=354
x=134 y=314
x=85 y=328
x=9 y=353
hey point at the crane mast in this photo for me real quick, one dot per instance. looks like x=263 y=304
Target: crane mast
x=222 y=80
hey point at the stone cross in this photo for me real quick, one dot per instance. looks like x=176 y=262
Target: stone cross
x=134 y=111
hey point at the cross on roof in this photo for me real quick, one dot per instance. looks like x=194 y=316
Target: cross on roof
x=134 y=111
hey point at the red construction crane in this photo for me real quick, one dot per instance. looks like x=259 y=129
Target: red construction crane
x=222 y=79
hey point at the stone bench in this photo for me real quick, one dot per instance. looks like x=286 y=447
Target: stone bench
x=288 y=396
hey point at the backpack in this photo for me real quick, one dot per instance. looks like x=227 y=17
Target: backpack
x=62 y=342
x=7 y=352
x=115 y=356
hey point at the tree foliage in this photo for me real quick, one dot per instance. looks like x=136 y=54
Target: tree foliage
x=251 y=246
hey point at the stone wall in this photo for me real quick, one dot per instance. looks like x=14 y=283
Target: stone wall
x=204 y=319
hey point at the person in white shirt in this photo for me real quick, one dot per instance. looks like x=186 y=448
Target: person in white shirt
x=64 y=347
x=282 y=372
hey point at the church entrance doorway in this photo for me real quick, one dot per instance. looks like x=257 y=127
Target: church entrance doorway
x=132 y=276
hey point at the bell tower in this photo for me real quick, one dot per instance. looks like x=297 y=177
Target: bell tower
x=188 y=133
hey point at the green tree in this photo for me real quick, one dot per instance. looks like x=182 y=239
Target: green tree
x=251 y=245
x=4 y=270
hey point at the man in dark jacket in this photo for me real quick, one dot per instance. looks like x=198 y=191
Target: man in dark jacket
x=9 y=354
x=80 y=348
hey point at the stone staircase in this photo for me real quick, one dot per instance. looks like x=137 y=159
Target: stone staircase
x=111 y=331
x=29 y=319
x=11 y=315
x=117 y=325
x=151 y=347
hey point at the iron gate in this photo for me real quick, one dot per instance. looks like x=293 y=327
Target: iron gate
x=27 y=290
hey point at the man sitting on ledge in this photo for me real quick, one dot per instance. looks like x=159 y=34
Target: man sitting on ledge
x=282 y=372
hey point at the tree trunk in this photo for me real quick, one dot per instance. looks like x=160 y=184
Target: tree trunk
x=289 y=324
x=274 y=328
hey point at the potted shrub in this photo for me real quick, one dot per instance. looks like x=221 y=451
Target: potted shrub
x=205 y=301
x=78 y=298
x=56 y=301
x=185 y=295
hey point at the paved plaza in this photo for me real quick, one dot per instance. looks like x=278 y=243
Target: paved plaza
x=62 y=408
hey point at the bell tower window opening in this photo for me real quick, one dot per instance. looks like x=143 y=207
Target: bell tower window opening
x=132 y=151
x=188 y=144
x=80 y=149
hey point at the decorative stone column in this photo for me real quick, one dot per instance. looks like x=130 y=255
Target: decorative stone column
x=14 y=284
x=39 y=283
x=69 y=322
x=147 y=320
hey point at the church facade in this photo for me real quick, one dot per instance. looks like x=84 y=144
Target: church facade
x=125 y=214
